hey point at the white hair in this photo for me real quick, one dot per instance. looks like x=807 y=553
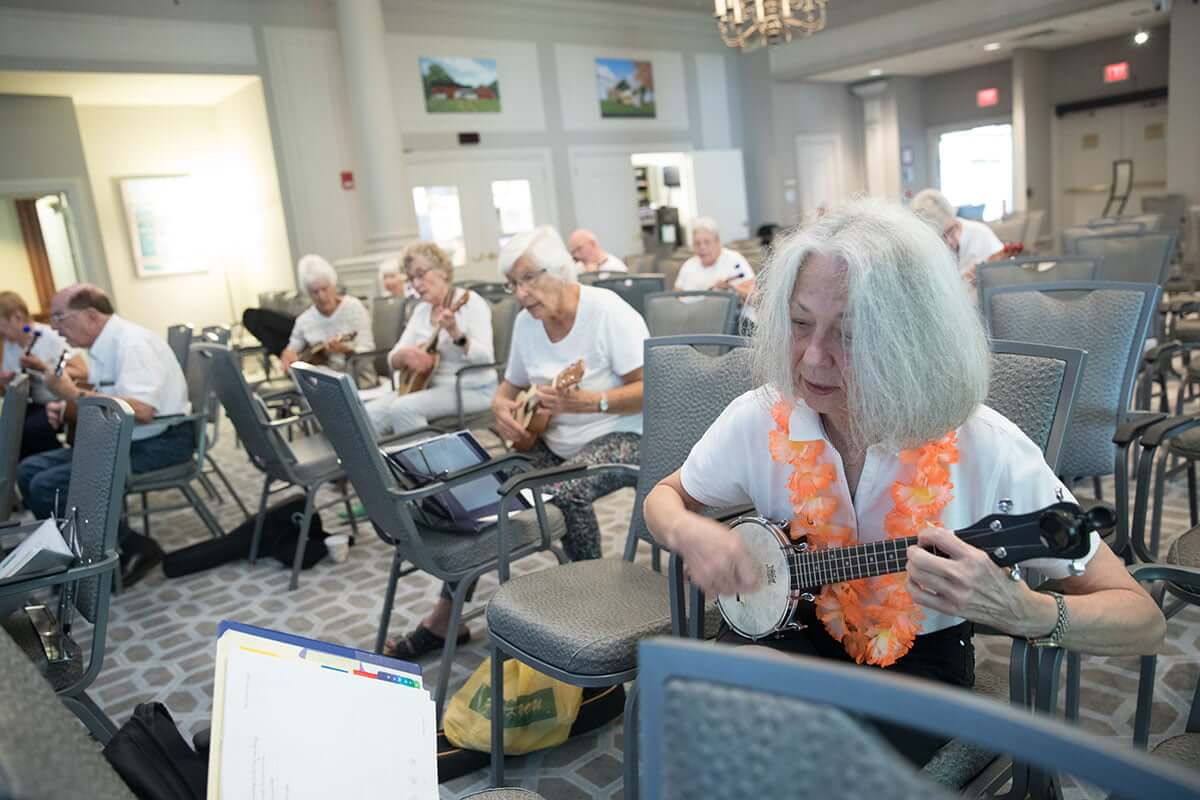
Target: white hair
x=933 y=207
x=544 y=247
x=313 y=269
x=920 y=360
x=389 y=266
x=706 y=224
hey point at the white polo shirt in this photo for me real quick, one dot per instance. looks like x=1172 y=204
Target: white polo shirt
x=731 y=465
x=48 y=347
x=695 y=277
x=976 y=244
x=129 y=361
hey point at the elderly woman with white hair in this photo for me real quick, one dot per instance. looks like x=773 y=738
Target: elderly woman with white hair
x=392 y=280
x=339 y=322
x=972 y=242
x=870 y=425
x=713 y=266
x=597 y=421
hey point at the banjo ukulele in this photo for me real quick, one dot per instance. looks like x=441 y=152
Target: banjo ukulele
x=792 y=574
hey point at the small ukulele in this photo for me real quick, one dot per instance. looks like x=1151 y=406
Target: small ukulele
x=408 y=380
x=534 y=419
x=318 y=354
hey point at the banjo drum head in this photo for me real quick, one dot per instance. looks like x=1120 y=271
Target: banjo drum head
x=763 y=611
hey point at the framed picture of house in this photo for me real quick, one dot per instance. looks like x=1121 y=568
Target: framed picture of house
x=456 y=85
x=165 y=225
x=625 y=88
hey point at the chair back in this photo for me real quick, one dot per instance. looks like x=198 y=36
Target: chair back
x=732 y=722
x=1034 y=269
x=263 y=445
x=201 y=396
x=1107 y=320
x=12 y=425
x=388 y=316
x=1034 y=387
x=674 y=414
x=1138 y=258
x=214 y=334
x=98 y=472
x=590 y=278
x=179 y=339
x=1033 y=227
x=504 y=314
x=687 y=313
x=633 y=288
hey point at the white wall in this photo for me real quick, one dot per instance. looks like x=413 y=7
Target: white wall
x=949 y=98
x=1183 y=107
x=1033 y=141
x=15 y=275
x=1077 y=73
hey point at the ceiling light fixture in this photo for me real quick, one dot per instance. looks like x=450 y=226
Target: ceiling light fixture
x=1141 y=37
x=875 y=73
x=992 y=47
x=767 y=22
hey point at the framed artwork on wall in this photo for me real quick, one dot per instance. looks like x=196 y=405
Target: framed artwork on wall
x=164 y=224
x=456 y=85
x=625 y=88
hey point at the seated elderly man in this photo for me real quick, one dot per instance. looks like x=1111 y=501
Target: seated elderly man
x=129 y=362
x=713 y=266
x=590 y=256
x=972 y=242
x=334 y=327
x=869 y=425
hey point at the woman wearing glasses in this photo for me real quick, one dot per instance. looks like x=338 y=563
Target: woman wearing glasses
x=598 y=421
x=464 y=338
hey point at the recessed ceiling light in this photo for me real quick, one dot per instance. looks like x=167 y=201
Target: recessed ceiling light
x=1141 y=37
x=992 y=46
x=875 y=73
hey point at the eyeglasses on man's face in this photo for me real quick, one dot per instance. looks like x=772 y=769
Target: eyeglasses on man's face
x=523 y=281
x=56 y=317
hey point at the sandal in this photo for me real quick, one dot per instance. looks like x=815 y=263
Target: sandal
x=420 y=642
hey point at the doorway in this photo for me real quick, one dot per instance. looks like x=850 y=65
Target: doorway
x=39 y=248
x=975 y=168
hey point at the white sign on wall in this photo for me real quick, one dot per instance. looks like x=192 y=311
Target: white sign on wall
x=164 y=228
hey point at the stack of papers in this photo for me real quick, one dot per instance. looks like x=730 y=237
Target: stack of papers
x=299 y=718
x=42 y=550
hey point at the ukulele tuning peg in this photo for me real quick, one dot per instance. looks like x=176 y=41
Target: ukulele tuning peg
x=1005 y=505
x=996 y=525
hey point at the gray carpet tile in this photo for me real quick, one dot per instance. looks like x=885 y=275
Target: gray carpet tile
x=161 y=637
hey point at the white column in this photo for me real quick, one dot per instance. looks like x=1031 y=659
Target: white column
x=1032 y=140
x=1183 y=102
x=391 y=221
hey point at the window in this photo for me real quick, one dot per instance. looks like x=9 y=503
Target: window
x=976 y=170
x=439 y=220
x=513 y=201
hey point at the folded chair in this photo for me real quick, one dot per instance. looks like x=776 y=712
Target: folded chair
x=12 y=426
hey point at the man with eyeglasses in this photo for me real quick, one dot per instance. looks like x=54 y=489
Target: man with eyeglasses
x=128 y=362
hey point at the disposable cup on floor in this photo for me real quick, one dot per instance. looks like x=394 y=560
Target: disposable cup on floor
x=338 y=546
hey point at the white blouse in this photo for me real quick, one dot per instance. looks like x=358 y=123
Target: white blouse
x=731 y=465
x=475 y=321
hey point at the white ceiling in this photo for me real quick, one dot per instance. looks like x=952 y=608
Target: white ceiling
x=1053 y=34
x=124 y=89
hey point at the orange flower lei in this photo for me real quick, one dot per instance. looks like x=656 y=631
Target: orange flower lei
x=875 y=619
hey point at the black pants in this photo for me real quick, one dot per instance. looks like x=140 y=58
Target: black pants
x=37 y=436
x=271 y=328
x=946 y=656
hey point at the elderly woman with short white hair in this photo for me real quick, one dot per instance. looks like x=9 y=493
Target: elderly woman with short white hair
x=596 y=421
x=338 y=322
x=972 y=243
x=392 y=281
x=713 y=266
x=870 y=425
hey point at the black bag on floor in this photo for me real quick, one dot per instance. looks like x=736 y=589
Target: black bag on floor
x=281 y=533
x=153 y=759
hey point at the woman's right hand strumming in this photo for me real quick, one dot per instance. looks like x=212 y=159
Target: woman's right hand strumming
x=503 y=409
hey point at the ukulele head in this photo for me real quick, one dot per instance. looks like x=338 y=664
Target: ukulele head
x=571 y=376
x=1062 y=530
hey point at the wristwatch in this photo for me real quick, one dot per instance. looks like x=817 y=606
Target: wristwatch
x=604 y=402
x=1063 y=621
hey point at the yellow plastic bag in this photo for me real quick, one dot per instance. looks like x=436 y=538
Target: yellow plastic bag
x=538 y=710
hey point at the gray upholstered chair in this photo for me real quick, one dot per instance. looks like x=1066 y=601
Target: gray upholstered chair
x=218 y=335
x=398 y=519
x=688 y=313
x=1034 y=386
x=1035 y=269
x=388 y=316
x=1139 y=258
x=98 y=471
x=12 y=426
x=504 y=313
x=633 y=288
x=307 y=463
x=179 y=339
x=502 y=794
x=581 y=622
x=726 y=722
x=43 y=751
x=180 y=476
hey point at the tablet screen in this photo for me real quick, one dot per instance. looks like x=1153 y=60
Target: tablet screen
x=439 y=456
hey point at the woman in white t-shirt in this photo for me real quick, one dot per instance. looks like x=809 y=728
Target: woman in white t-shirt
x=597 y=422
x=331 y=320
x=44 y=347
x=464 y=337
x=869 y=426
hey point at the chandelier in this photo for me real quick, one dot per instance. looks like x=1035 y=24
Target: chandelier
x=757 y=22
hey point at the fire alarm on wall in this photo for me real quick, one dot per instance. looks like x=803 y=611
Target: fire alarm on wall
x=347 y=180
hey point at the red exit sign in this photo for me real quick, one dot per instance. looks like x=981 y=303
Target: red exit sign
x=1115 y=73
x=987 y=97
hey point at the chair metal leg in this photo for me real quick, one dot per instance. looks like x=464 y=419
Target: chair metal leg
x=389 y=598
x=1141 y=721
x=198 y=503
x=237 y=498
x=146 y=514
x=1096 y=487
x=457 y=601
x=310 y=498
x=349 y=508
x=211 y=490
x=631 y=742
x=97 y=722
x=256 y=539
x=498 y=658
x=1193 y=507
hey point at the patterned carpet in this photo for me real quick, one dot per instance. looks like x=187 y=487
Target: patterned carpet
x=161 y=642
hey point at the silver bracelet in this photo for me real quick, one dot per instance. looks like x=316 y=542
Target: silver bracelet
x=1054 y=639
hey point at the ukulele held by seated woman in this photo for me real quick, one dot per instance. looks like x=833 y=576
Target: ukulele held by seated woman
x=409 y=380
